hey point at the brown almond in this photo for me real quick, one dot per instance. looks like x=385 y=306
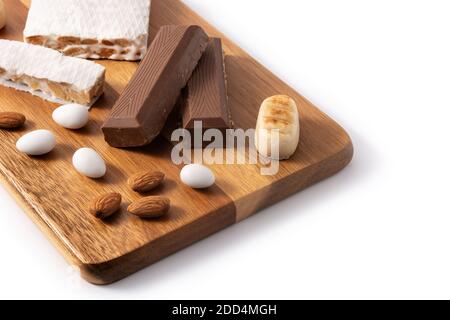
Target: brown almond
x=69 y=40
x=89 y=41
x=107 y=42
x=11 y=120
x=75 y=51
x=122 y=42
x=145 y=181
x=37 y=40
x=150 y=207
x=106 y=53
x=105 y=205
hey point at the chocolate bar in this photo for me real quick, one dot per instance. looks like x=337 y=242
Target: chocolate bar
x=205 y=96
x=141 y=112
x=173 y=121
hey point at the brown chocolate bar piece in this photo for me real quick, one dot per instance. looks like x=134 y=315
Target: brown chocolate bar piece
x=173 y=121
x=205 y=96
x=141 y=111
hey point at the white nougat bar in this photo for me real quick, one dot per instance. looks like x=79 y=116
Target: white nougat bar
x=49 y=74
x=94 y=29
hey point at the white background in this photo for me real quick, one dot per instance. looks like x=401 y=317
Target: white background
x=379 y=229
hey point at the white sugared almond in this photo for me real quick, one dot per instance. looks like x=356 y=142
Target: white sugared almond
x=278 y=116
x=71 y=116
x=89 y=163
x=197 y=176
x=36 y=143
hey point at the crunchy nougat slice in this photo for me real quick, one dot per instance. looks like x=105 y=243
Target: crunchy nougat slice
x=107 y=29
x=49 y=74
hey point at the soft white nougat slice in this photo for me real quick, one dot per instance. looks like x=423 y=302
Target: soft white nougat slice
x=106 y=29
x=49 y=74
x=278 y=128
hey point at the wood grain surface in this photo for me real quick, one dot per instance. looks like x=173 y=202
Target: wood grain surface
x=56 y=197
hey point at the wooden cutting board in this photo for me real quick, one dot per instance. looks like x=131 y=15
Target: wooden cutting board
x=56 y=196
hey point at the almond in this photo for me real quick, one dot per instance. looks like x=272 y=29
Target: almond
x=122 y=42
x=146 y=181
x=69 y=40
x=105 y=205
x=89 y=41
x=75 y=51
x=37 y=40
x=106 y=53
x=150 y=207
x=11 y=120
x=107 y=42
